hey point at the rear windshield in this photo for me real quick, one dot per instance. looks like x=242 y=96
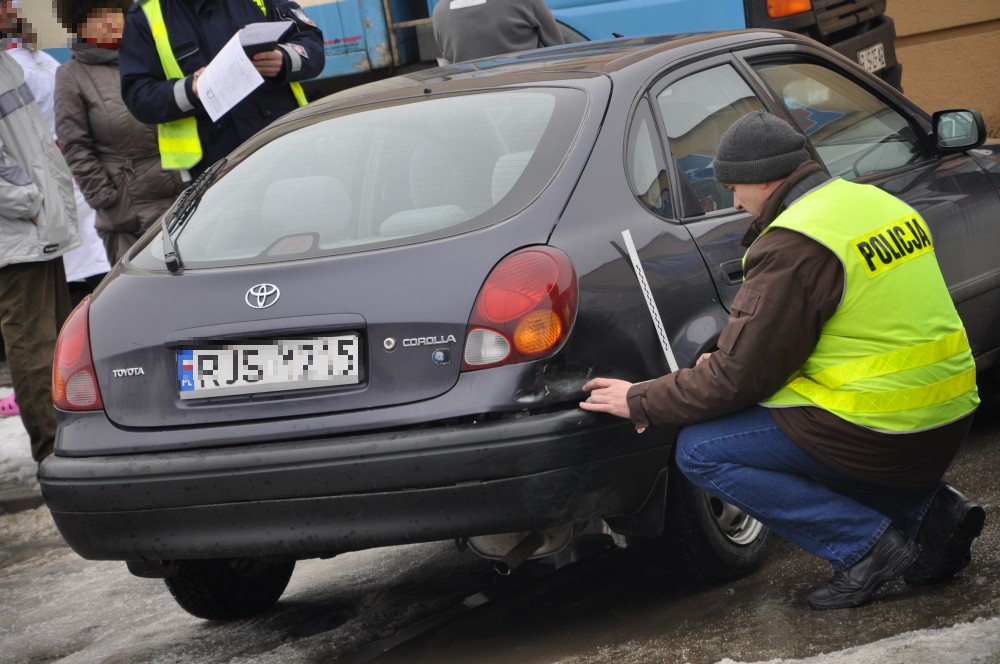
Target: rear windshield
x=383 y=176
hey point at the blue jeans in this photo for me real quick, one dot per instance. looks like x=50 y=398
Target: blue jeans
x=746 y=460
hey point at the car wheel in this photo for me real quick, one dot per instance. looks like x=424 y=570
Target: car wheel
x=230 y=588
x=713 y=540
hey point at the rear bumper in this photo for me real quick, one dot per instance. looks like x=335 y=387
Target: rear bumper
x=322 y=496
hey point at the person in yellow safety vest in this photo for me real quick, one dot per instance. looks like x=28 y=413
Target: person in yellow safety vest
x=168 y=43
x=843 y=383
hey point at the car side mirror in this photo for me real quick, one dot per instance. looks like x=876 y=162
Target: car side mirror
x=956 y=130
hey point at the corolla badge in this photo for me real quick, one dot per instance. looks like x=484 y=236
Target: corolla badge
x=262 y=296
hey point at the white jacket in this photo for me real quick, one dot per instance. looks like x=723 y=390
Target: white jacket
x=90 y=258
x=34 y=178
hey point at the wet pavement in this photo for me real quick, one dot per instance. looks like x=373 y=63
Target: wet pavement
x=434 y=603
x=622 y=609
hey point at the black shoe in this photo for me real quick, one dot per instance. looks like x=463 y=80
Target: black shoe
x=890 y=556
x=945 y=537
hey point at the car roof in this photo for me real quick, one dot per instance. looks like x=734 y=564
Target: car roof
x=606 y=55
x=553 y=64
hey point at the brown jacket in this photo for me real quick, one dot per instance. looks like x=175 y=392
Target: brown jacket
x=113 y=156
x=793 y=286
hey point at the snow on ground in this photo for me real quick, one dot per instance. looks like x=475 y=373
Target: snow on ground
x=17 y=468
x=967 y=643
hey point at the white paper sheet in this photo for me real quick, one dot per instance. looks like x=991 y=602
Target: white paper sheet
x=227 y=80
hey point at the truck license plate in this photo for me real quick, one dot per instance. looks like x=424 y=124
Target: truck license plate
x=872 y=58
x=287 y=364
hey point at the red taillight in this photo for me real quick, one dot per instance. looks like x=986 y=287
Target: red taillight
x=783 y=8
x=524 y=310
x=74 y=381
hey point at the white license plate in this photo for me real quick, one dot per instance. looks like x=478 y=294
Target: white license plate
x=872 y=58
x=287 y=364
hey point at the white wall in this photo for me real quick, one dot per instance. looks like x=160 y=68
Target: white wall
x=949 y=50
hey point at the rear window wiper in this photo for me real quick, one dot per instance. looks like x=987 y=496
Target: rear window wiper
x=182 y=211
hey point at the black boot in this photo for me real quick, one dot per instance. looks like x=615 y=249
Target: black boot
x=945 y=537
x=854 y=586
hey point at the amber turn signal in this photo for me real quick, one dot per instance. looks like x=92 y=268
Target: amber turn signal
x=783 y=8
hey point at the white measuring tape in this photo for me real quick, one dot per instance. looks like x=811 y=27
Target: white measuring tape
x=647 y=294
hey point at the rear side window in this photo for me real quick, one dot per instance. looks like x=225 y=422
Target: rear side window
x=647 y=173
x=384 y=176
x=696 y=110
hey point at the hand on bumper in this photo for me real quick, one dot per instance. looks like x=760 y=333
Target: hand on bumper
x=607 y=395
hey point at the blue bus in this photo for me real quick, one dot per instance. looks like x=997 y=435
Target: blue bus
x=376 y=38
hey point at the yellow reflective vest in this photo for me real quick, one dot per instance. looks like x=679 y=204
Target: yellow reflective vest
x=894 y=357
x=180 y=145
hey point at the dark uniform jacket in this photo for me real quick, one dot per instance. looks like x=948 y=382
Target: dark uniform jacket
x=198 y=30
x=796 y=284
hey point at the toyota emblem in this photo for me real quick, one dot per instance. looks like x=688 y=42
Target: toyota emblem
x=262 y=296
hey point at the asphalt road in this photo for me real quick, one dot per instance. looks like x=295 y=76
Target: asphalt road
x=632 y=612
x=433 y=603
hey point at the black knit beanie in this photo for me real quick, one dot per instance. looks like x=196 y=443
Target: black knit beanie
x=758 y=148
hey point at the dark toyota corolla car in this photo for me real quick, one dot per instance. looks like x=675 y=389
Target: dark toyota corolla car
x=370 y=325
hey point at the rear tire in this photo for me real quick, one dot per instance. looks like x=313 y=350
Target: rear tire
x=708 y=538
x=228 y=589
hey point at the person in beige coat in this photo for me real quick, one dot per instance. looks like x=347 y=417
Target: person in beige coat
x=113 y=156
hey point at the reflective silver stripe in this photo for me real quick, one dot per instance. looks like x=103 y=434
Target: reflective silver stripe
x=26 y=94
x=13 y=173
x=13 y=100
x=296 y=59
x=181 y=96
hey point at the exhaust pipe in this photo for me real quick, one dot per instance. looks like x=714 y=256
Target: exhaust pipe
x=521 y=552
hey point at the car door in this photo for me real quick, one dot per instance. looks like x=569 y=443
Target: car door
x=860 y=130
x=694 y=106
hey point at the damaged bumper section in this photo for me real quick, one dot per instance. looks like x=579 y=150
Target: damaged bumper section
x=319 y=497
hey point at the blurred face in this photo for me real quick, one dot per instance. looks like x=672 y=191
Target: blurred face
x=8 y=16
x=103 y=26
